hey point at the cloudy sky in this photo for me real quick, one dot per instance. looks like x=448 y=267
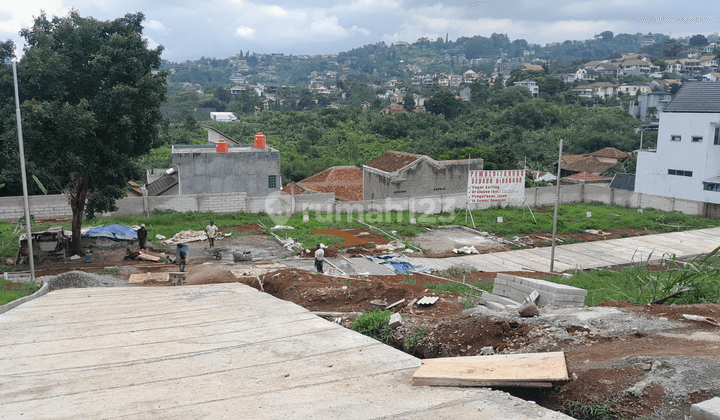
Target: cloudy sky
x=211 y=28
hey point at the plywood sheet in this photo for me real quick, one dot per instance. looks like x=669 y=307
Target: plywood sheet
x=538 y=370
x=145 y=278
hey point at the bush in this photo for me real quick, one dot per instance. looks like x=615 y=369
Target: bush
x=374 y=324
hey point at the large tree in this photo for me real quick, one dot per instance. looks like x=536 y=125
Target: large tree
x=91 y=107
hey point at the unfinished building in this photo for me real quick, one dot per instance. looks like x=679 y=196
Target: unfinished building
x=399 y=175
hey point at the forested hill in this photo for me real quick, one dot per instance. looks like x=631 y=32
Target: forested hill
x=379 y=62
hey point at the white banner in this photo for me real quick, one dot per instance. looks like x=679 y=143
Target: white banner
x=496 y=186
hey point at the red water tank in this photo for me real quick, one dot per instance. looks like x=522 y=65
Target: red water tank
x=222 y=146
x=259 y=141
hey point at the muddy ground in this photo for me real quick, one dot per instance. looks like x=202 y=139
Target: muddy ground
x=627 y=361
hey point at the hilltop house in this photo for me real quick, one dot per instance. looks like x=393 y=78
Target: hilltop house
x=686 y=163
x=398 y=174
x=530 y=85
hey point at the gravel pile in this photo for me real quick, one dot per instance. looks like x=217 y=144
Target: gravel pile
x=81 y=279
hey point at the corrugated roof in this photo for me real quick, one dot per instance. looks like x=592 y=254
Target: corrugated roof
x=696 y=97
x=610 y=152
x=623 y=182
x=162 y=184
x=336 y=174
x=345 y=181
x=392 y=161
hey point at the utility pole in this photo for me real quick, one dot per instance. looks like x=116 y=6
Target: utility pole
x=24 y=176
x=557 y=204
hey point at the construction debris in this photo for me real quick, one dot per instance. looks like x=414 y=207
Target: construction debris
x=699 y=318
x=466 y=250
x=186 y=236
x=537 y=370
x=529 y=310
x=395 y=321
x=427 y=300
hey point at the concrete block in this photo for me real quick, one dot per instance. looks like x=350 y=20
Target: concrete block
x=395 y=321
x=706 y=410
x=494 y=305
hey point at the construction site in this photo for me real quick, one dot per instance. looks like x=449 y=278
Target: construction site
x=142 y=340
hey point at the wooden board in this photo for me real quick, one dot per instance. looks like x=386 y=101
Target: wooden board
x=148 y=257
x=538 y=370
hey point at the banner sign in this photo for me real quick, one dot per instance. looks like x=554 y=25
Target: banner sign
x=496 y=186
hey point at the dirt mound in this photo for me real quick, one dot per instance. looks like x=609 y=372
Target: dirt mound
x=250 y=227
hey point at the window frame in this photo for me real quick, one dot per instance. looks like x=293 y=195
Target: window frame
x=272 y=181
x=716 y=140
x=696 y=139
x=675 y=137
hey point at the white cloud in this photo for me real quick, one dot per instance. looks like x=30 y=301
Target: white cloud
x=156 y=26
x=275 y=11
x=245 y=32
x=151 y=43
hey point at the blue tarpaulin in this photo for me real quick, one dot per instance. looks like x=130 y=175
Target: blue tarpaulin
x=399 y=263
x=114 y=232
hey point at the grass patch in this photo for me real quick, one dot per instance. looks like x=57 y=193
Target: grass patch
x=588 y=411
x=374 y=324
x=109 y=271
x=417 y=335
x=638 y=285
x=7 y=296
x=461 y=289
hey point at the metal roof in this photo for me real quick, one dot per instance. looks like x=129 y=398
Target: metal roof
x=696 y=97
x=623 y=182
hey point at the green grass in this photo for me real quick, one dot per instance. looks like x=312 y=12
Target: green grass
x=461 y=289
x=7 y=296
x=571 y=219
x=374 y=324
x=417 y=335
x=640 y=286
x=109 y=271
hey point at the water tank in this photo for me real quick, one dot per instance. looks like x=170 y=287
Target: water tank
x=259 y=141
x=222 y=146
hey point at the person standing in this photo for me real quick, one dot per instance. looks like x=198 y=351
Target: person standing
x=182 y=258
x=319 y=257
x=142 y=238
x=210 y=231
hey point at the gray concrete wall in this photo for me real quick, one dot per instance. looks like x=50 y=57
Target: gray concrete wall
x=11 y=208
x=215 y=173
x=419 y=179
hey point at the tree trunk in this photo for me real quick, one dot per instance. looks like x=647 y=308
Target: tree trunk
x=78 y=196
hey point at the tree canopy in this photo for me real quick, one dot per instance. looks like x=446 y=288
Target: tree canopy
x=90 y=107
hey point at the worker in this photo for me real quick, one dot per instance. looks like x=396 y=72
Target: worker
x=142 y=238
x=182 y=259
x=129 y=253
x=319 y=257
x=211 y=230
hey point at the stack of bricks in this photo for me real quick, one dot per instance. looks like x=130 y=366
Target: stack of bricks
x=512 y=291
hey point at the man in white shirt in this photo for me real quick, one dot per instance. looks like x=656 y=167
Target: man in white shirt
x=210 y=231
x=319 y=257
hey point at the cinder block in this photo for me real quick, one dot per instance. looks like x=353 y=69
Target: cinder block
x=494 y=305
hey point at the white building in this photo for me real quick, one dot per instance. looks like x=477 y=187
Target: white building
x=222 y=116
x=530 y=86
x=687 y=161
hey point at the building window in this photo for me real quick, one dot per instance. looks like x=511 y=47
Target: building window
x=697 y=139
x=711 y=186
x=272 y=181
x=675 y=138
x=400 y=192
x=678 y=172
x=438 y=189
x=717 y=136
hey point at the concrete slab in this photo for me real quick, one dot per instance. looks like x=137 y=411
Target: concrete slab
x=706 y=410
x=211 y=351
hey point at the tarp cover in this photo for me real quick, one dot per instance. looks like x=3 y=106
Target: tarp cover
x=399 y=263
x=114 y=232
